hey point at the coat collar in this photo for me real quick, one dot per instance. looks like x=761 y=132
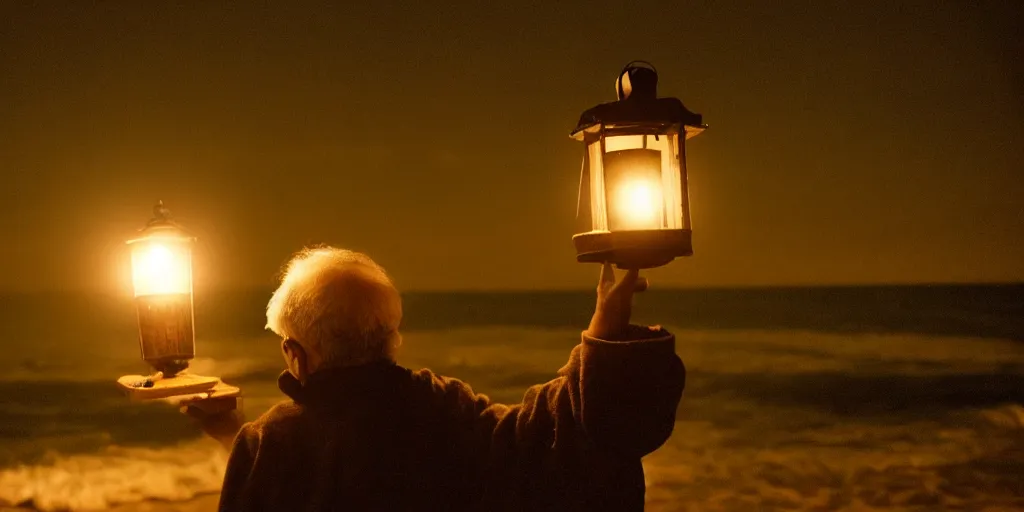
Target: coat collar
x=334 y=385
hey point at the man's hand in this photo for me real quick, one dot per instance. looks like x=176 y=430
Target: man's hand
x=219 y=418
x=614 y=303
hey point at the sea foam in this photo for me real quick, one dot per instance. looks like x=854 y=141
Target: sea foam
x=115 y=476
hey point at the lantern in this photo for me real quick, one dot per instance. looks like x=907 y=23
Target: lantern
x=633 y=200
x=162 y=280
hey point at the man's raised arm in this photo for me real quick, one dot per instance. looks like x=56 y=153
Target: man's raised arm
x=620 y=388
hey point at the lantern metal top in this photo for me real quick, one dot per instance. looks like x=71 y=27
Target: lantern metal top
x=638 y=107
x=162 y=226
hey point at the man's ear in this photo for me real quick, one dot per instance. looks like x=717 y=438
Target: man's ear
x=295 y=355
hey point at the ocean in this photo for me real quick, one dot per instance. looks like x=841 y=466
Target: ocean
x=846 y=398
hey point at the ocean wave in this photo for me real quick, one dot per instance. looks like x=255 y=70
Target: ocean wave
x=770 y=419
x=1010 y=416
x=800 y=460
x=238 y=368
x=116 y=475
x=721 y=350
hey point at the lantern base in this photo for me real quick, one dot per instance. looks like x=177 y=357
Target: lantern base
x=180 y=386
x=169 y=366
x=640 y=249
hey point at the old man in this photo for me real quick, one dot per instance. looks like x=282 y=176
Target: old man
x=360 y=432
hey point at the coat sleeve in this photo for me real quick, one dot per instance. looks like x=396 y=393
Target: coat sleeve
x=621 y=395
x=628 y=391
x=236 y=493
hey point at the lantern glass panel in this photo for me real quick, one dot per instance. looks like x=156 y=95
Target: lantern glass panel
x=161 y=266
x=635 y=182
x=598 y=208
x=671 y=178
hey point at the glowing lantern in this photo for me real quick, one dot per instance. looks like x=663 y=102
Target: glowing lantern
x=162 y=279
x=633 y=198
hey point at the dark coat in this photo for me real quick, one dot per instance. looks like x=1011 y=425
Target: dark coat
x=382 y=437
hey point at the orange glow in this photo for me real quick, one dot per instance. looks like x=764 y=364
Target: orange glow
x=161 y=268
x=638 y=204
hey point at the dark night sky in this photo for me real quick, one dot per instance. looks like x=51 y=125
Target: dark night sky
x=850 y=142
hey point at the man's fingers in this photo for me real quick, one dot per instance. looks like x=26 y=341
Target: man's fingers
x=607 y=276
x=630 y=279
x=641 y=285
x=193 y=412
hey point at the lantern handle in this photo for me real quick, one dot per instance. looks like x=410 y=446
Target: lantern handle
x=161 y=213
x=636 y=64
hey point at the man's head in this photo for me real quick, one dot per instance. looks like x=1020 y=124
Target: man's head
x=334 y=308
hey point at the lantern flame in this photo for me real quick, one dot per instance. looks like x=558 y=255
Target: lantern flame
x=158 y=269
x=638 y=204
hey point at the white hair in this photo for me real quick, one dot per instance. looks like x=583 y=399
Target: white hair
x=339 y=304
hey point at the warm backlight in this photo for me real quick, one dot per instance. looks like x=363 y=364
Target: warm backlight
x=637 y=204
x=633 y=184
x=159 y=268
